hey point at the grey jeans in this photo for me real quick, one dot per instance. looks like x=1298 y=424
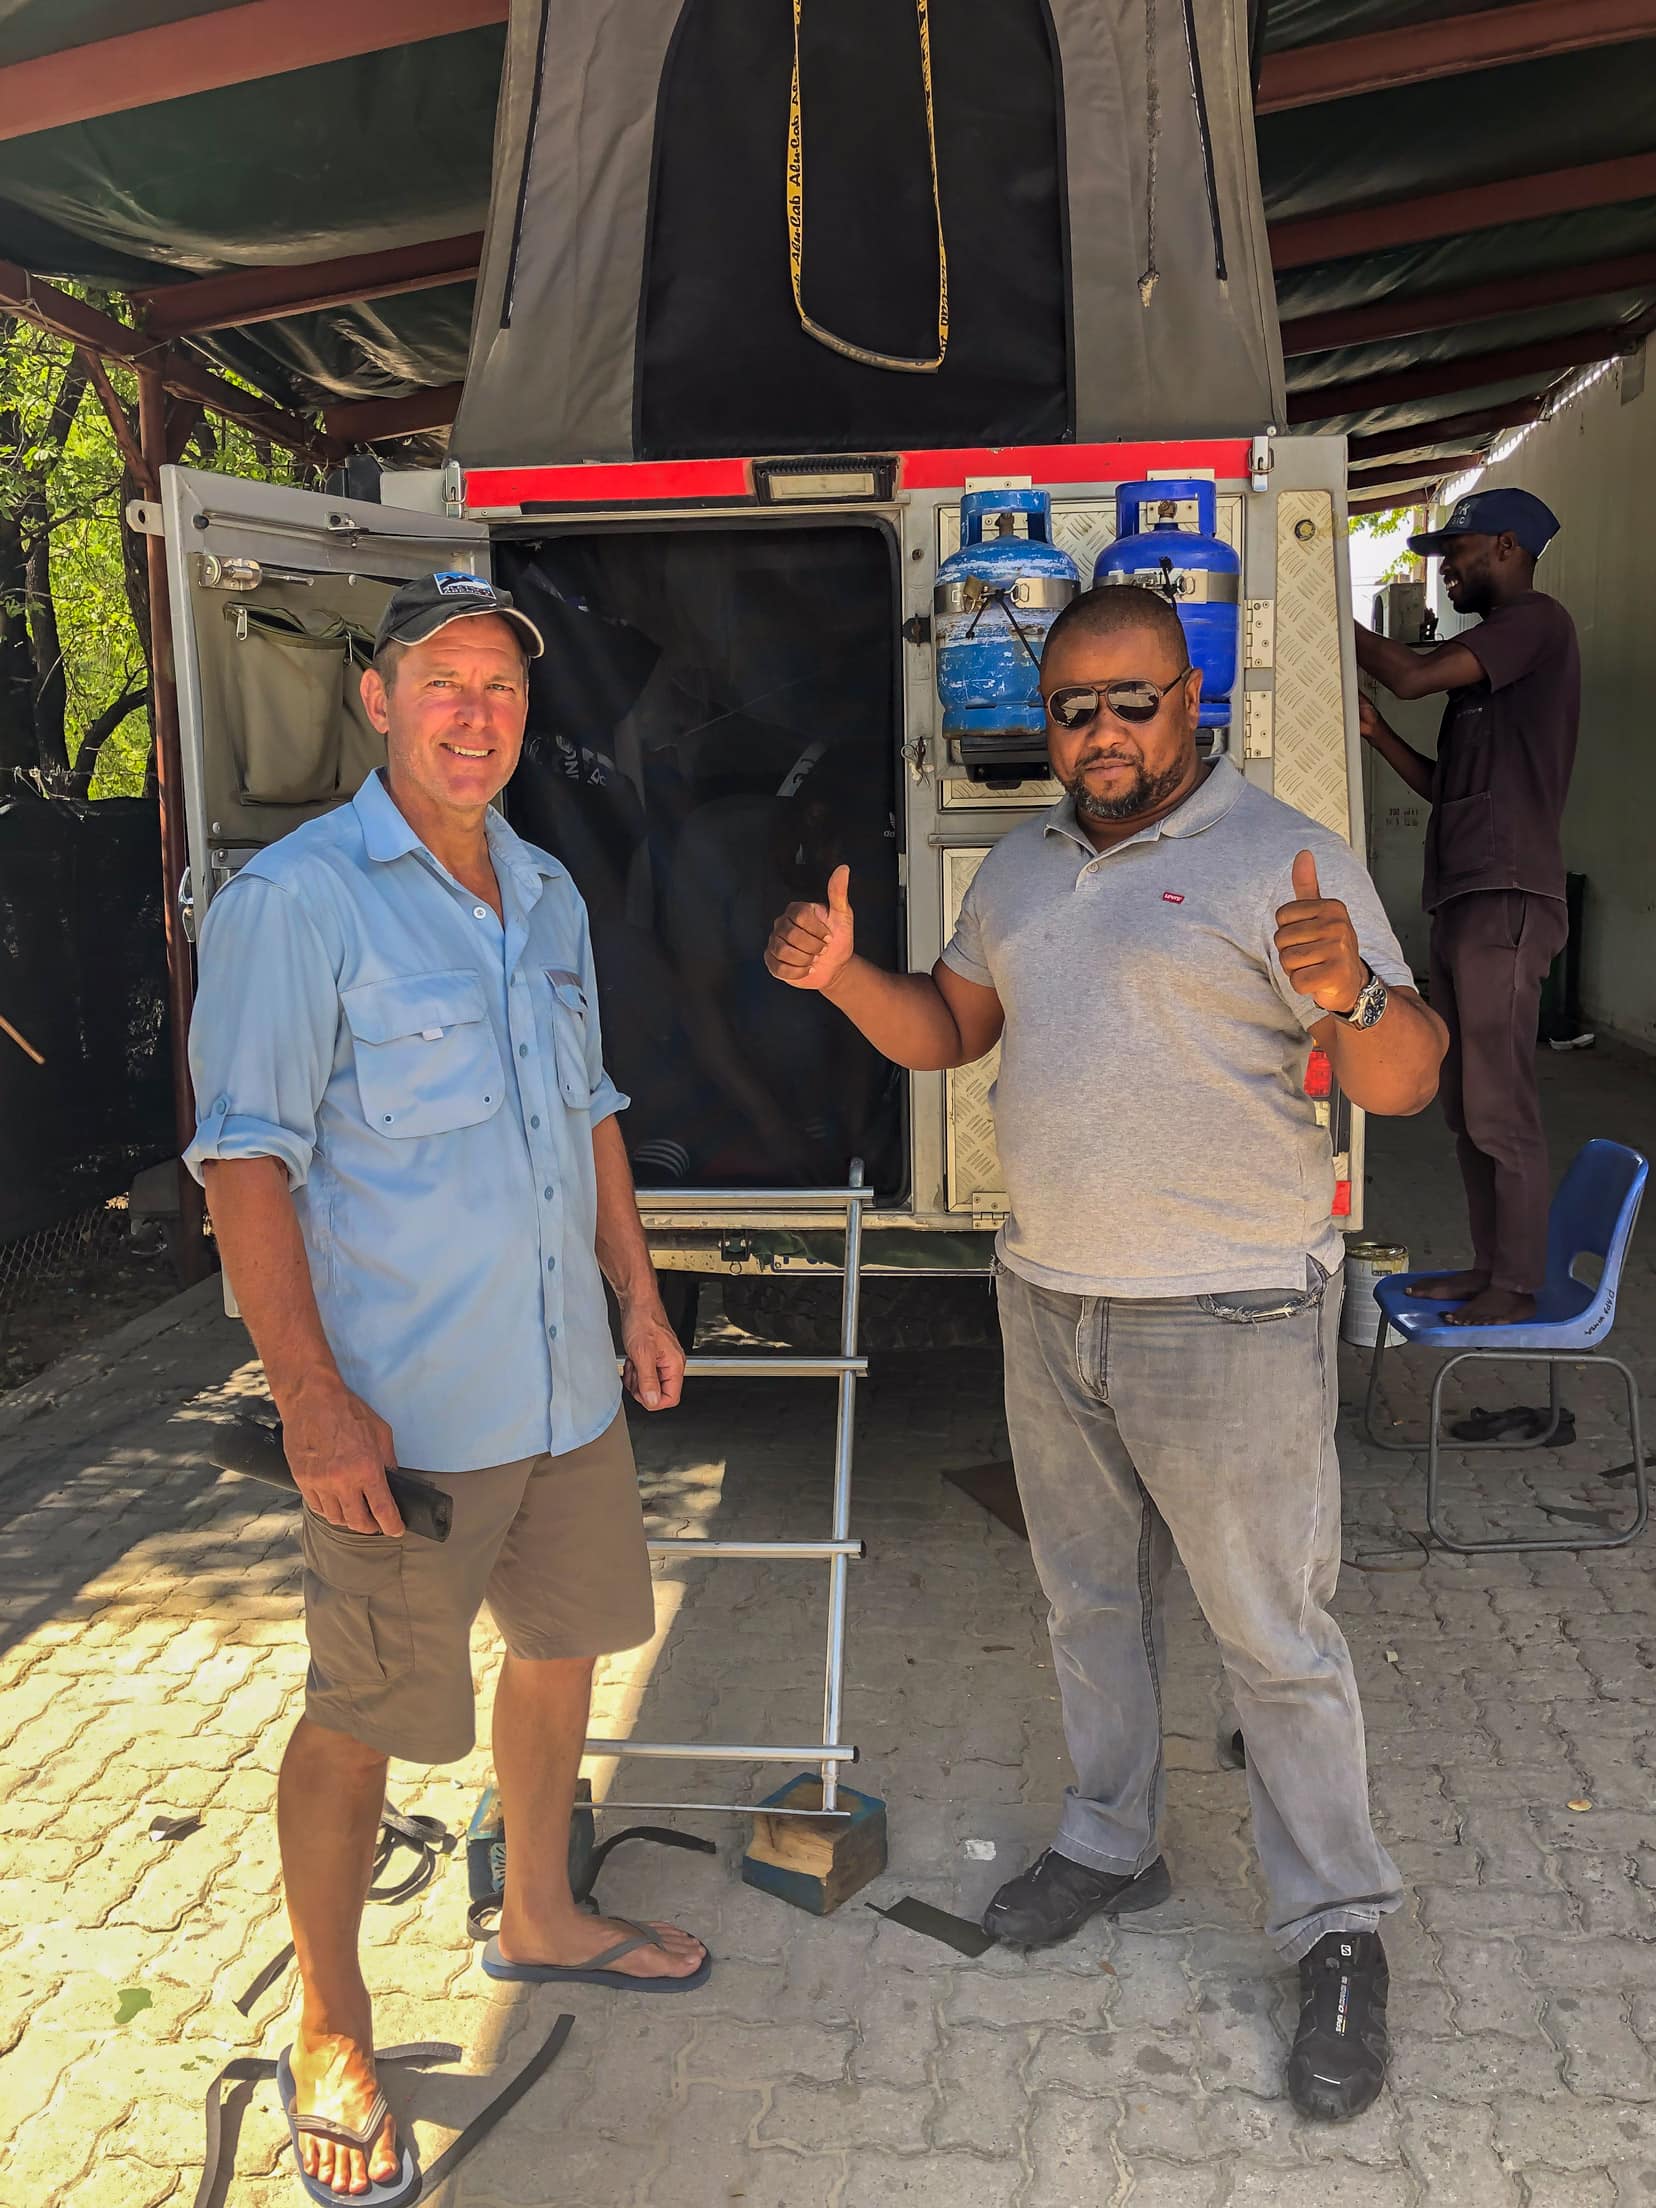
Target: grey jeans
x=1204 y=1424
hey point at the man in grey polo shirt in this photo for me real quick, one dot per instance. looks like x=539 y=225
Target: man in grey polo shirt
x=1156 y=957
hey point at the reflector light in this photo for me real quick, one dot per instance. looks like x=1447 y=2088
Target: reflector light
x=1319 y=1074
x=1341 y=1206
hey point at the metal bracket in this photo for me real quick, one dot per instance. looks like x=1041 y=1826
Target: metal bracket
x=917 y=629
x=143 y=517
x=1258 y=724
x=1259 y=637
x=1260 y=460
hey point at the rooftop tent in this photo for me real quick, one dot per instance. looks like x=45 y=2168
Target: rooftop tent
x=1011 y=222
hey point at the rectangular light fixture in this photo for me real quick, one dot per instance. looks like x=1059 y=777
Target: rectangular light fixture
x=822 y=482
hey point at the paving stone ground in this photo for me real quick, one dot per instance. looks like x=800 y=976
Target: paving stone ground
x=151 y=1661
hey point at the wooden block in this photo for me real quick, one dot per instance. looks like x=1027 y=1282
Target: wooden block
x=815 y=1863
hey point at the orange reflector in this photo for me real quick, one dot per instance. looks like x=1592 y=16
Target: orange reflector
x=1341 y=1208
x=1319 y=1074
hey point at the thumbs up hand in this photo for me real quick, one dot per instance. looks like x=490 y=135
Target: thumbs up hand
x=1317 y=943
x=811 y=945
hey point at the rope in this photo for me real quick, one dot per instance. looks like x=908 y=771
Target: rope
x=795 y=194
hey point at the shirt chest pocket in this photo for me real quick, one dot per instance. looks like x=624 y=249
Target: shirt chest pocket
x=426 y=1060
x=569 y=1038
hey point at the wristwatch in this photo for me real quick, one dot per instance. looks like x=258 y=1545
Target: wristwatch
x=1372 y=1000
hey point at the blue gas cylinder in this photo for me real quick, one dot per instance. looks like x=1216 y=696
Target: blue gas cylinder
x=1181 y=555
x=994 y=602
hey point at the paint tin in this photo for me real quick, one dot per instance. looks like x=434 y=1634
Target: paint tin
x=1366 y=1264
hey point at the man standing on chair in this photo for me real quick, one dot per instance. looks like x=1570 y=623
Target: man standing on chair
x=409 y=1148
x=1156 y=957
x=1494 y=869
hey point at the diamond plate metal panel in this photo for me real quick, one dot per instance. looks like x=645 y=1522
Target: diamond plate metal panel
x=960 y=795
x=975 y=1182
x=1309 y=747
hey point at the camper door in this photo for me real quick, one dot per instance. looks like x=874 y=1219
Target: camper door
x=276 y=594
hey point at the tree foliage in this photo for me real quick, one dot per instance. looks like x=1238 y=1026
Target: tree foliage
x=1404 y=566
x=76 y=716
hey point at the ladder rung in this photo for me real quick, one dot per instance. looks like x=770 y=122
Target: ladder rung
x=752 y=1199
x=776 y=1366
x=717 y=1809
x=783 y=1552
x=704 y=1752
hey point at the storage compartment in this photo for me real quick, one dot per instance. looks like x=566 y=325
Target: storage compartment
x=284 y=734
x=713 y=728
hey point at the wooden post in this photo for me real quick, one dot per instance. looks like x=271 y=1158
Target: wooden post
x=191 y=1250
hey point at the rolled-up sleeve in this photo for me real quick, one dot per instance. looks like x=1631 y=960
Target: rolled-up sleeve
x=963 y=953
x=607 y=1099
x=262 y=1035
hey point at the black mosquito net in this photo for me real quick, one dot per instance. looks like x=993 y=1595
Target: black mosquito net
x=718 y=241
x=711 y=731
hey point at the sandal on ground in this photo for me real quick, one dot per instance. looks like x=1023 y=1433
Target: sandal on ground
x=600 y=1971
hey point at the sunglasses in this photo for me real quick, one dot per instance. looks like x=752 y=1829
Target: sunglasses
x=1134 y=702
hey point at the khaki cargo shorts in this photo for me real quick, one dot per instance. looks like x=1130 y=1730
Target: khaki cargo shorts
x=554 y=1545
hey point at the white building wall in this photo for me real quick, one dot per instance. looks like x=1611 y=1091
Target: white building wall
x=1595 y=465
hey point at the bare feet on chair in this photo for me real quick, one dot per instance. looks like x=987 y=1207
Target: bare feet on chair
x=1493 y=1307
x=1450 y=1287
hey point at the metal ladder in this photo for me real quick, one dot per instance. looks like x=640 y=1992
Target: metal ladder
x=847 y=1369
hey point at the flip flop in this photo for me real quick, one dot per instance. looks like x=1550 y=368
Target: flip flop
x=597 y=1972
x=402 y=2190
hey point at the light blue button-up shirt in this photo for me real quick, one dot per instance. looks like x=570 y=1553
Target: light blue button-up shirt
x=431 y=1081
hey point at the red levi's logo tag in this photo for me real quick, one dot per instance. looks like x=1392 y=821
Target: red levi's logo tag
x=1172 y=897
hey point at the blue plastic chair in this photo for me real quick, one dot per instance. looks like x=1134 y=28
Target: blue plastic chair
x=1592 y=1216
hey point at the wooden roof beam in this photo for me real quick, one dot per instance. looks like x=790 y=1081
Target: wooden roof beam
x=1436 y=470
x=1378 y=61
x=248 y=295
x=1384 y=505
x=1453 y=211
x=357 y=422
x=1544 y=358
x=33 y=300
x=1452 y=310
x=204 y=53
x=1452 y=429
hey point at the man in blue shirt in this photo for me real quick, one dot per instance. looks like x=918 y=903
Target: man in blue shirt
x=409 y=1148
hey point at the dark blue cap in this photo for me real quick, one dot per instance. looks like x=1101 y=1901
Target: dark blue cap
x=1492 y=514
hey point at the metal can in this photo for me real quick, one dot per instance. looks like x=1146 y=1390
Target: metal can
x=1366 y=1264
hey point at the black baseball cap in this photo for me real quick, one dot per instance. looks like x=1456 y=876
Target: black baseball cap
x=1493 y=514
x=429 y=603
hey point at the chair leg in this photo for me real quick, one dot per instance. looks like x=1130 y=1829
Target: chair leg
x=1371 y=1401
x=1612 y=1540
x=1641 y=1488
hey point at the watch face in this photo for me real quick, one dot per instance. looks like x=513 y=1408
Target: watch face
x=1370 y=1004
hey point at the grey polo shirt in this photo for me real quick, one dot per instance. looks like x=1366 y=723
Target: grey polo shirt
x=1150 y=1108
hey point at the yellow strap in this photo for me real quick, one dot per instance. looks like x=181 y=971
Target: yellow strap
x=796 y=219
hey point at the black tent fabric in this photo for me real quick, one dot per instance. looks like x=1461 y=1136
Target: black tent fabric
x=636 y=296
x=83 y=977
x=711 y=731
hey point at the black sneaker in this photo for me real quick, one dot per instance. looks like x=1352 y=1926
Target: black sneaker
x=1338 y=2062
x=1057 y=1895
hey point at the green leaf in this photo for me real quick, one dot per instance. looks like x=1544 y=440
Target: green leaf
x=132 y=2002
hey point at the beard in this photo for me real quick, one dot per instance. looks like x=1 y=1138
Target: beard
x=1147 y=791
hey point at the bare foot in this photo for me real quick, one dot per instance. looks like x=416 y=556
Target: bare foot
x=1450 y=1287
x=1494 y=1307
x=574 y=1942
x=333 y=2076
